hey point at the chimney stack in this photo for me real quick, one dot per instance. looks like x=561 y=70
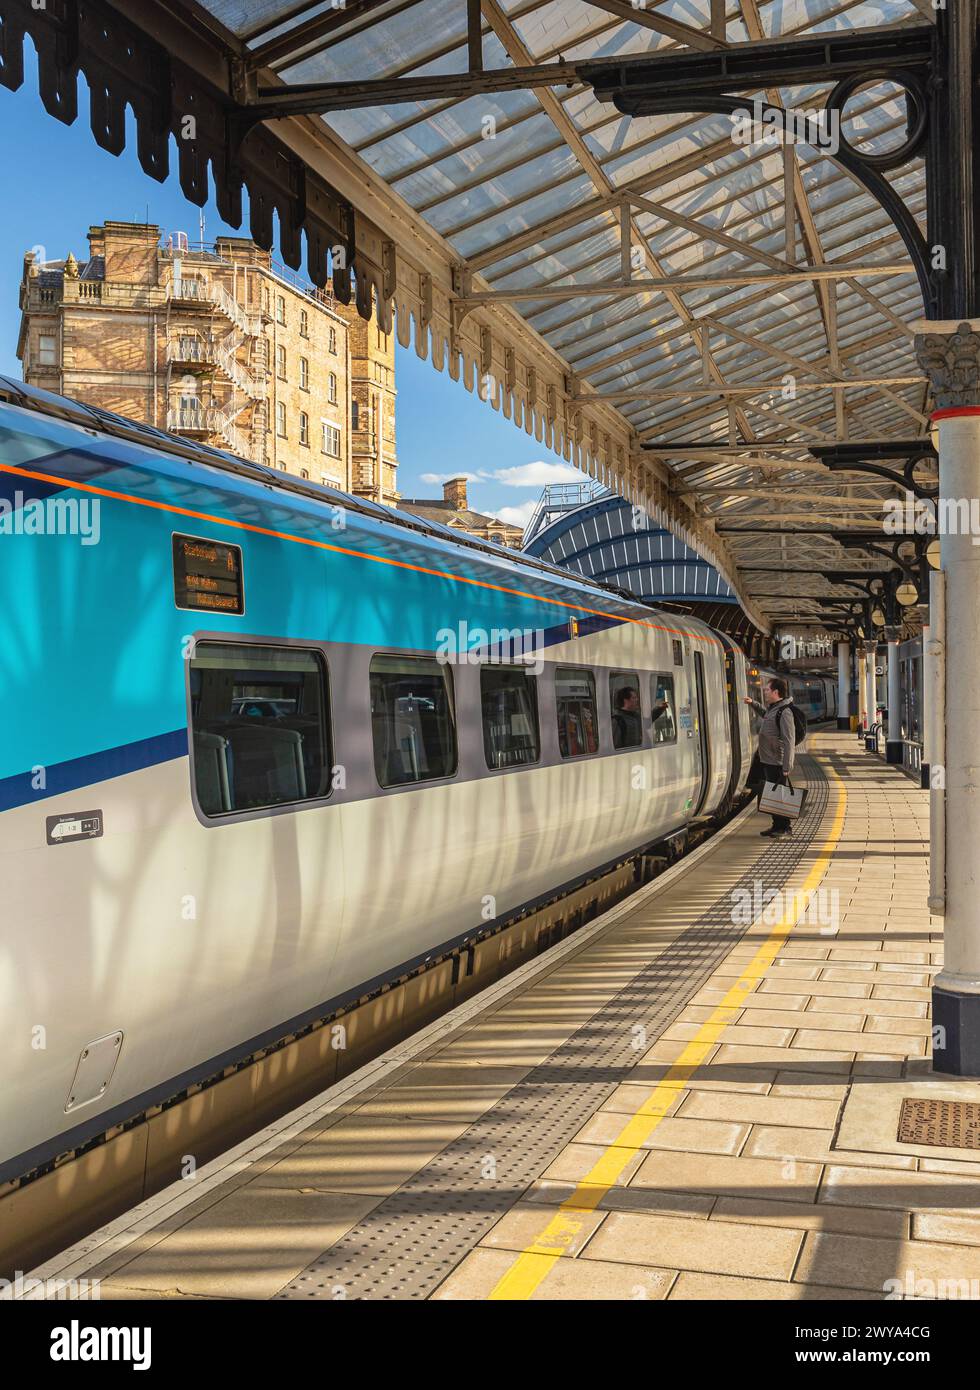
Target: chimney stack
x=454 y=492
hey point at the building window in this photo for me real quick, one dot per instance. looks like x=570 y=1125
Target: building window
x=577 y=723
x=332 y=388
x=47 y=346
x=281 y=419
x=259 y=727
x=411 y=720
x=333 y=340
x=281 y=362
x=354 y=416
x=304 y=374
x=280 y=309
x=304 y=324
x=624 y=701
x=304 y=472
x=510 y=716
x=304 y=429
x=330 y=442
x=662 y=699
x=190 y=414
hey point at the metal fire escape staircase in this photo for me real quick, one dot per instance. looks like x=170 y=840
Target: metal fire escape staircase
x=221 y=351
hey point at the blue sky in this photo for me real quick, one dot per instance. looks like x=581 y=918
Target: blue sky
x=58 y=182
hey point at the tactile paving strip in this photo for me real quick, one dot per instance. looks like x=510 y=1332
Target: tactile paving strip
x=411 y=1241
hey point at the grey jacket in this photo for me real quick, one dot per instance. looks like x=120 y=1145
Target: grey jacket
x=777 y=734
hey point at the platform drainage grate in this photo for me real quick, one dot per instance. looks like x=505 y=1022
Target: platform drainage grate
x=412 y=1240
x=953 y=1124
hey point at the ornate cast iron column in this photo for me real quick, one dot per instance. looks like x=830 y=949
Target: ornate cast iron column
x=951 y=358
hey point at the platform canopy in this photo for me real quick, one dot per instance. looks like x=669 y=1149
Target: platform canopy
x=659 y=286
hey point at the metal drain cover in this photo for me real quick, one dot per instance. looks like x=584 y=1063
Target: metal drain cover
x=953 y=1124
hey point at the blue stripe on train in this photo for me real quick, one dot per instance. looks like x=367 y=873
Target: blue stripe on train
x=161 y=748
x=586 y=626
x=93 y=767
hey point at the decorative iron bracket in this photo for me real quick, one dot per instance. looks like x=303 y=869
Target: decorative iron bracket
x=855 y=458
x=935 y=65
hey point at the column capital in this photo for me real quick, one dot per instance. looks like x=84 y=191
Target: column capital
x=951 y=361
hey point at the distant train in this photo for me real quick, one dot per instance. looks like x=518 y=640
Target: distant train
x=268 y=747
x=815 y=694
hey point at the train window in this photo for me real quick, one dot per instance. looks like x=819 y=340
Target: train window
x=578 y=725
x=678 y=649
x=624 y=701
x=662 y=700
x=510 y=716
x=259 y=727
x=412 y=720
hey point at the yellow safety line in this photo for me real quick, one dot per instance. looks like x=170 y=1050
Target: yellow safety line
x=537 y=1259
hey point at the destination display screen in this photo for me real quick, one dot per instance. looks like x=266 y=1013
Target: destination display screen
x=208 y=575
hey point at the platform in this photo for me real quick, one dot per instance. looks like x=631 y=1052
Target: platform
x=697 y=1096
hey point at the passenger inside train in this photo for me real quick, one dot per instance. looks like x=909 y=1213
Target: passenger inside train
x=627 y=728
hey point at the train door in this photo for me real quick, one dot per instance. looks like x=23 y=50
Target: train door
x=701 y=731
x=735 y=708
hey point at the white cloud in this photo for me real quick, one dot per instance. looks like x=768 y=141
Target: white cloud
x=538 y=474
x=445 y=477
x=517 y=516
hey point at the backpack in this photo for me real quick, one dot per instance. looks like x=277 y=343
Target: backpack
x=799 y=721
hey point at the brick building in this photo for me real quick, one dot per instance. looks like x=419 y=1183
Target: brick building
x=216 y=343
x=372 y=375
x=454 y=510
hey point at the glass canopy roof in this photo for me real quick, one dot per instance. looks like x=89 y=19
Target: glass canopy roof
x=526 y=188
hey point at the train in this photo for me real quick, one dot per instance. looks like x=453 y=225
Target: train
x=269 y=746
x=815 y=693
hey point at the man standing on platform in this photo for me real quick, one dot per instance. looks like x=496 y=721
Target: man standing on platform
x=777 y=742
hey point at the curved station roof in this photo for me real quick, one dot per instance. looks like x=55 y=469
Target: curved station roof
x=649 y=278
x=608 y=540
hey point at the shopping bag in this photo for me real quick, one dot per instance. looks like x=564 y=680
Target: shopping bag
x=782 y=799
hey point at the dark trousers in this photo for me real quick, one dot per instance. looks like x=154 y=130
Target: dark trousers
x=773 y=772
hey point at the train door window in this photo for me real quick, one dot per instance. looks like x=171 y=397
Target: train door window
x=754 y=686
x=578 y=724
x=509 y=697
x=624 y=702
x=412 y=720
x=259 y=727
x=662 y=702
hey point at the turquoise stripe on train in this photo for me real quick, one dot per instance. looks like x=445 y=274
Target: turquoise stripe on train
x=91 y=641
